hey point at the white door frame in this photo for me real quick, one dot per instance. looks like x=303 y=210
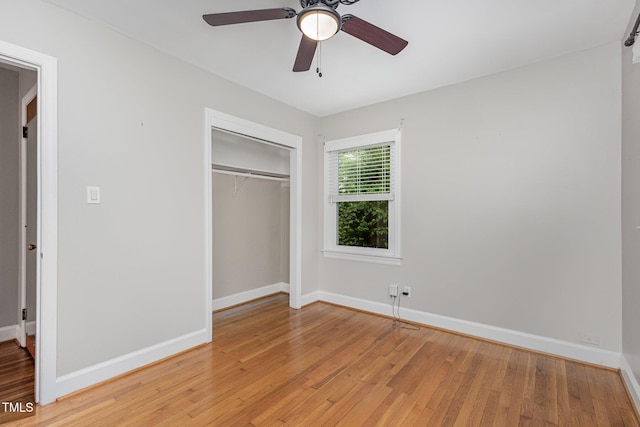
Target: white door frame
x=218 y=120
x=21 y=333
x=47 y=213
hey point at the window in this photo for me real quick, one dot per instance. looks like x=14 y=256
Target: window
x=362 y=198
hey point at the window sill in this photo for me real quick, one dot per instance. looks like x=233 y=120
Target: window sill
x=377 y=259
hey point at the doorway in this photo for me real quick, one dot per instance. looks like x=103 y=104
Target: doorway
x=18 y=161
x=218 y=121
x=46 y=220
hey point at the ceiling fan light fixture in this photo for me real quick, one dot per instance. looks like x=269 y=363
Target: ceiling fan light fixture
x=319 y=22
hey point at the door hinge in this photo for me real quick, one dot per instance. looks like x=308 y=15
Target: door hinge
x=25 y=132
x=24 y=314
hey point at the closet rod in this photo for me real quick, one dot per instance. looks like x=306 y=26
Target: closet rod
x=249 y=175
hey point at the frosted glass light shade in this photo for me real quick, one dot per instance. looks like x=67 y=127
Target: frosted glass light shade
x=319 y=22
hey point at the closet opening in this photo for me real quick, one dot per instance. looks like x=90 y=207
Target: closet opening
x=250 y=187
x=254 y=200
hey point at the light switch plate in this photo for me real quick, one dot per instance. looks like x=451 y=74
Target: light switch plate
x=93 y=195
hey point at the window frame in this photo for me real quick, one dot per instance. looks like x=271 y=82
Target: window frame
x=331 y=249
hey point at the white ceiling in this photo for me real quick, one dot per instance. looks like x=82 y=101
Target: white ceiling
x=449 y=41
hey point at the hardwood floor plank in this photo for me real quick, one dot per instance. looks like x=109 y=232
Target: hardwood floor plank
x=518 y=410
x=392 y=411
x=490 y=410
x=549 y=394
x=473 y=406
x=270 y=365
x=362 y=409
x=17 y=375
x=562 y=400
x=469 y=371
x=527 y=407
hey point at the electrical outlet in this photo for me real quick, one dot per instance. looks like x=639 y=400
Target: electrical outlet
x=407 y=291
x=393 y=290
x=590 y=339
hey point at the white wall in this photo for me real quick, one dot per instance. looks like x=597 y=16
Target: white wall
x=631 y=206
x=131 y=271
x=511 y=199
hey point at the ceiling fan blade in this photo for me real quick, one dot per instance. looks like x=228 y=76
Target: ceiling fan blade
x=373 y=35
x=306 y=51
x=240 y=17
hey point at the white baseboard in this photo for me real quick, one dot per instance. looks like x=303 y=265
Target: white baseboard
x=8 y=333
x=92 y=375
x=597 y=356
x=310 y=298
x=31 y=328
x=111 y=368
x=242 y=297
x=630 y=381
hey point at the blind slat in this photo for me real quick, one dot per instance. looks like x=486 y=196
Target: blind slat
x=360 y=197
x=362 y=174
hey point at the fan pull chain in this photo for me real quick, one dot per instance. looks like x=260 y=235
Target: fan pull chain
x=319 y=60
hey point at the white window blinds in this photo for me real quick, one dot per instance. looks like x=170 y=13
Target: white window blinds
x=363 y=173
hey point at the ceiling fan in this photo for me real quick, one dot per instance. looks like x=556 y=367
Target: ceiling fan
x=318 y=20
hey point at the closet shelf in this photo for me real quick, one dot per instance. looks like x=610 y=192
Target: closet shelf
x=248 y=173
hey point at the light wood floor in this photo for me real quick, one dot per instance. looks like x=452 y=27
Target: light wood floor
x=325 y=365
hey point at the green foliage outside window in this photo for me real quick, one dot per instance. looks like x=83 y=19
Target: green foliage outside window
x=364 y=223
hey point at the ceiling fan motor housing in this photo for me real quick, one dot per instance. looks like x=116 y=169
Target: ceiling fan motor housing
x=331 y=3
